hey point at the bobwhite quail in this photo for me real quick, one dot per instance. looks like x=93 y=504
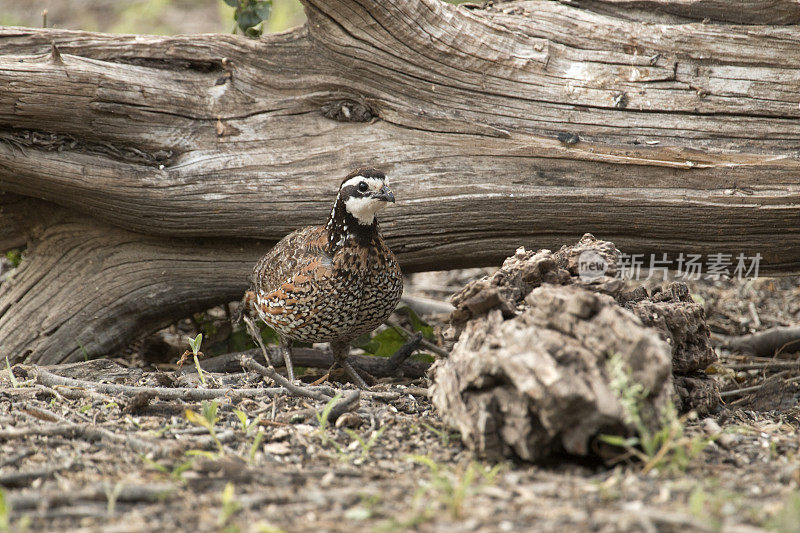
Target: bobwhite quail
x=331 y=283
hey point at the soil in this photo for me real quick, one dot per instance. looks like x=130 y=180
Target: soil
x=389 y=464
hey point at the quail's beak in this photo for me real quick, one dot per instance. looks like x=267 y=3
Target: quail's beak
x=384 y=194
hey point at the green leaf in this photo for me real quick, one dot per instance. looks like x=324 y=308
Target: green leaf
x=322 y=418
x=242 y=418
x=14 y=257
x=196 y=419
x=362 y=341
x=390 y=341
x=203 y=453
x=155 y=465
x=247 y=19
x=194 y=344
x=232 y=3
x=263 y=9
x=619 y=441
x=14 y=382
x=256 y=444
x=210 y=411
x=417 y=324
x=177 y=472
x=5 y=512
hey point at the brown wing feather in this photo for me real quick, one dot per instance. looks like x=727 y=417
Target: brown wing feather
x=297 y=252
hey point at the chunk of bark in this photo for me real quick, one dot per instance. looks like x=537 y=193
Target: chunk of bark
x=682 y=323
x=526 y=270
x=539 y=383
x=672 y=312
x=696 y=392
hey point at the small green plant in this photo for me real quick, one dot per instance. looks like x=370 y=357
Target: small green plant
x=451 y=487
x=250 y=15
x=175 y=473
x=14 y=383
x=207 y=420
x=83 y=350
x=443 y=434
x=263 y=527
x=254 y=447
x=366 y=445
x=667 y=447
x=322 y=418
x=14 y=257
x=230 y=506
x=194 y=345
x=248 y=427
x=385 y=342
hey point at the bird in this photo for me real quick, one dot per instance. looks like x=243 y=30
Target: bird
x=331 y=283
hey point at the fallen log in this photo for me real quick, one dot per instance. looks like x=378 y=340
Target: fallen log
x=772 y=342
x=182 y=158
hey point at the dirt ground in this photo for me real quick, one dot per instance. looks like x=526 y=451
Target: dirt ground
x=72 y=459
x=75 y=460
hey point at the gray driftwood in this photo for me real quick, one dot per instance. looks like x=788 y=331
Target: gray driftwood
x=164 y=166
x=541 y=382
x=529 y=374
x=672 y=313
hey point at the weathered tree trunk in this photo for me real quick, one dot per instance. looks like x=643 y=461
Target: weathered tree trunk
x=159 y=160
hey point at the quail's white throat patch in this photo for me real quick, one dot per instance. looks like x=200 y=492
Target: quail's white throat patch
x=364 y=209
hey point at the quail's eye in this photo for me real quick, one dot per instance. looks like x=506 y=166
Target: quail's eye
x=362 y=186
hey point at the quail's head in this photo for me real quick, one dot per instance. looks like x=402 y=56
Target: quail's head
x=365 y=192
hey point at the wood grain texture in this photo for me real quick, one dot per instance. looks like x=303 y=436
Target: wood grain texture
x=689 y=132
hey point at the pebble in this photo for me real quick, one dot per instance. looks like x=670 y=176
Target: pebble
x=727 y=440
x=349 y=420
x=280 y=434
x=711 y=426
x=278 y=448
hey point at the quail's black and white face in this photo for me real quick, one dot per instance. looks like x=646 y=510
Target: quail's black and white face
x=364 y=194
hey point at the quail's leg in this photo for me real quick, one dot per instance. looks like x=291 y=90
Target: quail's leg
x=341 y=352
x=285 y=346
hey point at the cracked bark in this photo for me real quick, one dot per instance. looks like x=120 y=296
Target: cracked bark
x=178 y=154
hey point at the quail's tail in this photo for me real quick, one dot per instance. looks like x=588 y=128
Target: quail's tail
x=246 y=306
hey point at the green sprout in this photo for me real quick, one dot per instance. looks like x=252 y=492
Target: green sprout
x=14 y=383
x=194 y=344
x=250 y=15
x=668 y=446
x=366 y=445
x=322 y=418
x=230 y=506
x=207 y=420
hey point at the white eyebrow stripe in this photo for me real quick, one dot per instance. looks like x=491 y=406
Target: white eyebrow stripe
x=374 y=183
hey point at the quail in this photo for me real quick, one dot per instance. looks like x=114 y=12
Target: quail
x=331 y=283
